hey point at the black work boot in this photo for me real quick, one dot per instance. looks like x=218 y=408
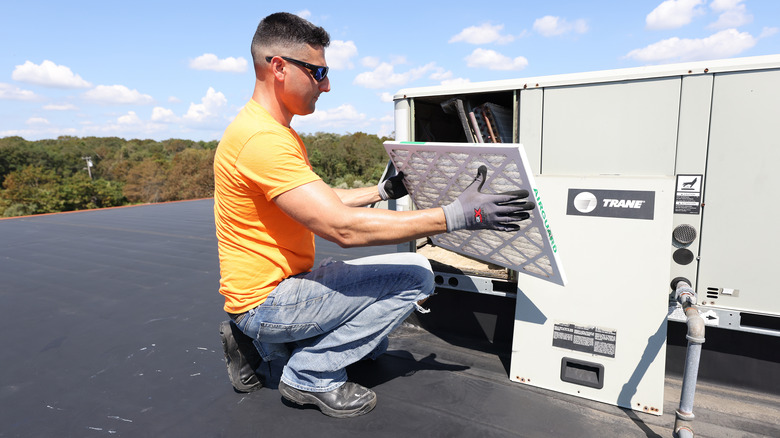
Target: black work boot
x=241 y=358
x=348 y=400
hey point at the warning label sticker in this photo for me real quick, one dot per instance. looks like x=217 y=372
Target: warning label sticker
x=592 y=340
x=687 y=198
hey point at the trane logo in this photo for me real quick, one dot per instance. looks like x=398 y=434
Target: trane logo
x=623 y=203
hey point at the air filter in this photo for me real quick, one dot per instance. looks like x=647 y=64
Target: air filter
x=436 y=173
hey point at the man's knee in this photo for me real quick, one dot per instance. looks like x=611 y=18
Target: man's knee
x=423 y=271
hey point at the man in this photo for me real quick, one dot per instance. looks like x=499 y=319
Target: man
x=269 y=204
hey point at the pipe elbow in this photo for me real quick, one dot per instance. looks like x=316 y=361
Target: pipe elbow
x=695 y=325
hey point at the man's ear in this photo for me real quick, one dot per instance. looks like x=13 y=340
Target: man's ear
x=277 y=68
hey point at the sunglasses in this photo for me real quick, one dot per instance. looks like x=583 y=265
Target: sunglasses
x=317 y=71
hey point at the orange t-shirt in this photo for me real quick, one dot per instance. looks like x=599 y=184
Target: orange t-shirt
x=259 y=245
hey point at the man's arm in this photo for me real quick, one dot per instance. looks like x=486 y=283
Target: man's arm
x=319 y=208
x=323 y=211
x=391 y=188
x=358 y=197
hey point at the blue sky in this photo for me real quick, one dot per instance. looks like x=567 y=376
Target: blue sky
x=175 y=69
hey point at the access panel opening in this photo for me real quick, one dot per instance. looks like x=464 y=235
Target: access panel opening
x=582 y=373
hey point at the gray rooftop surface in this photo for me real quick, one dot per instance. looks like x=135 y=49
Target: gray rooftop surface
x=109 y=327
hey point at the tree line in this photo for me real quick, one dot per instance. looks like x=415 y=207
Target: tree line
x=73 y=173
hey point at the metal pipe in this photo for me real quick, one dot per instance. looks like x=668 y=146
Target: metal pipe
x=684 y=432
x=686 y=296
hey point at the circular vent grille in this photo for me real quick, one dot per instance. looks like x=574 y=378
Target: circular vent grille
x=684 y=234
x=683 y=256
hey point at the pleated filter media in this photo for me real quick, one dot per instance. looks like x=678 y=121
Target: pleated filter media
x=437 y=173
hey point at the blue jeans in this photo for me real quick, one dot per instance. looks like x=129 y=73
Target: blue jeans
x=323 y=320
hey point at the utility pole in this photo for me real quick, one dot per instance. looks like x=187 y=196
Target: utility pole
x=89 y=165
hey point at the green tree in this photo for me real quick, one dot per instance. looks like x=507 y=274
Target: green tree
x=79 y=192
x=50 y=175
x=341 y=160
x=31 y=190
x=145 y=182
x=191 y=175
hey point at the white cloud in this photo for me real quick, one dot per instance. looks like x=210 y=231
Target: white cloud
x=117 y=94
x=441 y=75
x=174 y=99
x=9 y=92
x=455 y=82
x=386 y=97
x=732 y=14
x=129 y=119
x=209 y=61
x=340 y=53
x=386 y=126
x=370 y=62
x=385 y=130
x=384 y=76
x=344 y=116
x=48 y=74
x=126 y=124
x=209 y=114
x=723 y=44
x=549 y=26
x=305 y=14
x=165 y=115
x=490 y=59
x=39 y=132
x=342 y=113
x=483 y=34
x=672 y=14
x=768 y=32
x=209 y=111
x=38 y=121
x=397 y=59
x=724 y=5
x=60 y=107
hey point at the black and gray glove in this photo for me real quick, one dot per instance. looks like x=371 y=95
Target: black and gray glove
x=392 y=188
x=474 y=210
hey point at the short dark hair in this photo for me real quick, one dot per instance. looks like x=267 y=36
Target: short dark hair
x=283 y=30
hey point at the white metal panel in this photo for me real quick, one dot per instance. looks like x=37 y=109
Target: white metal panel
x=402 y=117
x=617 y=270
x=740 y=233
x=692 y=138
x=625 y=128
x=530 y=127
x=695 y=103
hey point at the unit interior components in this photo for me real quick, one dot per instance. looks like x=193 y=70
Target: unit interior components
x=437 y=173
x=603 y=336
x=460 y=118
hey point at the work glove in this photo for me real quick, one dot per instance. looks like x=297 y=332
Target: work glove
x=392 y=188
x=474 y=210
